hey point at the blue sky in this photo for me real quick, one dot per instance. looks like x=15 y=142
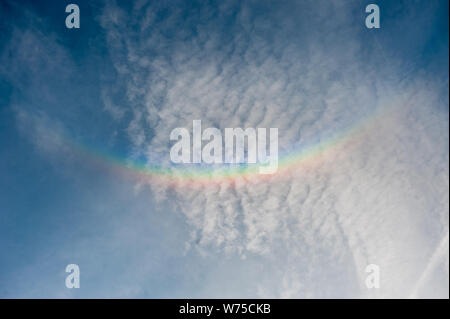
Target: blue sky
x=135 y=71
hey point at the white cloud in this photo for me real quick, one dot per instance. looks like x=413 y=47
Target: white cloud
x=380 y=197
